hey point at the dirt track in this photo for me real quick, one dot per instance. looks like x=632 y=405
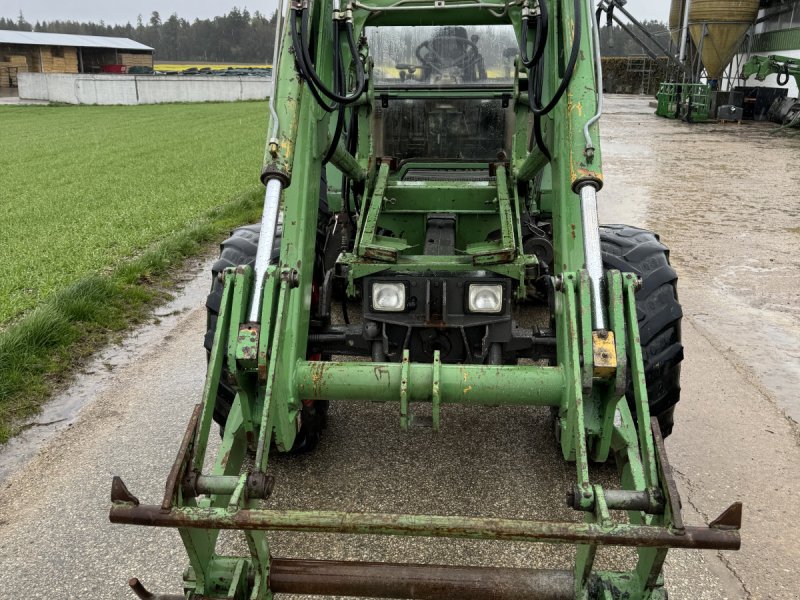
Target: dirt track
x=733 y=235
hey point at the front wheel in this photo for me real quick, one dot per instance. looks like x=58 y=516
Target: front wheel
x=240 y=249
x=633 y=250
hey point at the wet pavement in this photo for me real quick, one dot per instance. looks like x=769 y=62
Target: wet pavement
x=726 y=200
x=733 y=439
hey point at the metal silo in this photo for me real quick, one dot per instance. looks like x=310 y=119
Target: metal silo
x=676 y=20
x=717 y=28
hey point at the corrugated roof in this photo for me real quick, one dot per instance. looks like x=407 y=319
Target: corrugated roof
x=64 y=39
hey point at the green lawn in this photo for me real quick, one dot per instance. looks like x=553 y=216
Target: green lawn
x=98 y=205
x=83 y=188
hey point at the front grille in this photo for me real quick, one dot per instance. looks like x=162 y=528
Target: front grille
x=448 y=175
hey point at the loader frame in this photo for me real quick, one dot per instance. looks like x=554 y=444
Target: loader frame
x=268 y=359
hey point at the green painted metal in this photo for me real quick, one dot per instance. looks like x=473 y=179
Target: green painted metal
x=269 y=362
x=776 y=41
x=478 y=528
x=505 y=249
x=462 y=384
x=690 y=101
x=774 y=64
x=370 y=244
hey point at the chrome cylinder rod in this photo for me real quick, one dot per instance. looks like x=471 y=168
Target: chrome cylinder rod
x=266 y=240
x=591 y=251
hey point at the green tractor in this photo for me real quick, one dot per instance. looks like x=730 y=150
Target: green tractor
x=430 y=235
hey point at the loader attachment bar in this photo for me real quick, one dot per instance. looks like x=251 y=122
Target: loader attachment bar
x=484 y=528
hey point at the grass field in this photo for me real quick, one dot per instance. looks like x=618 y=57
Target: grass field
x=85 y=187
x=97 y=200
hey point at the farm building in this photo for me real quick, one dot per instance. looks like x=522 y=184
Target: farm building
x=32 y=52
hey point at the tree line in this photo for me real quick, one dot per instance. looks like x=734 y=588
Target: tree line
x=238 y=36
x=241 y=36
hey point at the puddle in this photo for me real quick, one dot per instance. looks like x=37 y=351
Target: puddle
x=64 y=408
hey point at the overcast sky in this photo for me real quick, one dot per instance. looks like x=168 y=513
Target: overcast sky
x=113 y=12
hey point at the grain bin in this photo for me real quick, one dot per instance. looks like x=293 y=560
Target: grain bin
x=717 y=28
x=676 y=20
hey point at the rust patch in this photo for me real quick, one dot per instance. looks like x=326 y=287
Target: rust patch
x=317 y=374
x=380 y=372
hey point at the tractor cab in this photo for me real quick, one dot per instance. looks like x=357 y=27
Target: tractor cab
x=437 y=265
x=442 y=93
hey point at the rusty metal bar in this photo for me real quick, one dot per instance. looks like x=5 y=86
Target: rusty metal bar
x=417 y=582
x=426 y=526
x=621 y=500
x=142 y=593
x=671 y=489
x=171 y=487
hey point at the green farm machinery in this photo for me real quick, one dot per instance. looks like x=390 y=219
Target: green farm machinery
x=426 y=188
x=690 y=102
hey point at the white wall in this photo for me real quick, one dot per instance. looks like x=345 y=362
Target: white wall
x=140 y=89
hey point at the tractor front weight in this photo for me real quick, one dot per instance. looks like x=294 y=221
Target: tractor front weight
x=478 y=221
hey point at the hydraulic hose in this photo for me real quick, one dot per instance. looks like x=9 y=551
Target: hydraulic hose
x=301 y=66
x=784 y=74
x=347 y=185
x=598 y=65
x=538 y=137
x=536 y=72
x=536 y=107
x=542 y=24
x=337 y=134
x=334 y=95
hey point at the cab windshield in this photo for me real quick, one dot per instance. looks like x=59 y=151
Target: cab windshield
x=443 y=56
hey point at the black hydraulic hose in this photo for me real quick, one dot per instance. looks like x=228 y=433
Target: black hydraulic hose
x=568 y=71
x=352 y=146
x=311 y=72
x=337 y=134
x=542 y=25
x=351 y=143
x=352 y=132
x=784 y=74
x=537 y=119
x=340 y=76
x=302 y=67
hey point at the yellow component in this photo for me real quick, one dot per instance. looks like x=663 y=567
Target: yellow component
x=604 y=353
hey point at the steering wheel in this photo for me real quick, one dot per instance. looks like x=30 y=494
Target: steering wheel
x=443 y=52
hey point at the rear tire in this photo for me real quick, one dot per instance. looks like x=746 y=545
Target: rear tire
x=633 y=250
x=240 y=249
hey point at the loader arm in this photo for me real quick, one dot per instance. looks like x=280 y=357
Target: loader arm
x=459 y=222
x=763 y=66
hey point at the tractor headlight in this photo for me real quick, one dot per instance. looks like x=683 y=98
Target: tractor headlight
x=484 y=298
x=389 y=297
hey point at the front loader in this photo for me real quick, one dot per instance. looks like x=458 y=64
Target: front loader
x=430 y=235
